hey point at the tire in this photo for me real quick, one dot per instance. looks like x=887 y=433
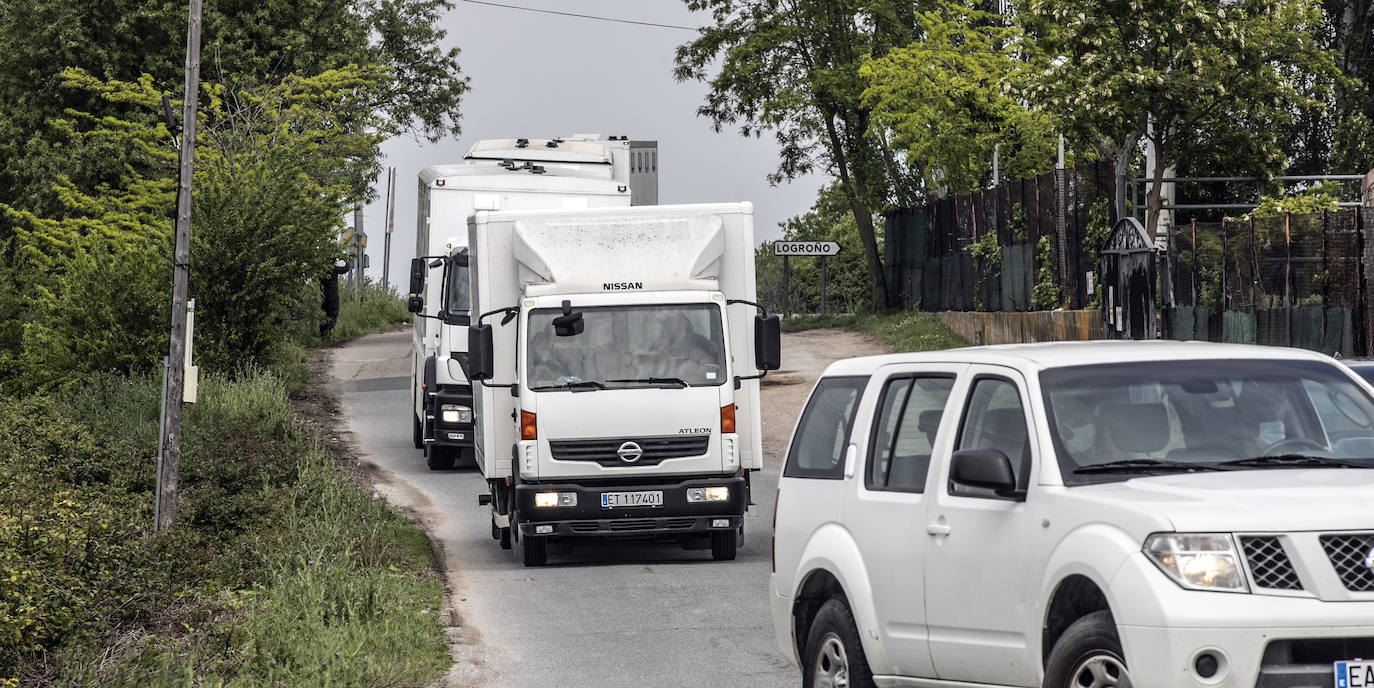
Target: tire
x=834 y=656
x=534 y=550
x=1088 y=655
x=724 y=544
x=500 y=534
x=417 y=432
x=440 y=458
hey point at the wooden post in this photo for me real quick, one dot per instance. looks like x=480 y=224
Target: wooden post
x=173 y=381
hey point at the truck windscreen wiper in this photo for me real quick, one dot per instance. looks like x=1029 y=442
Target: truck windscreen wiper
x=677 y=381
x=578 y=386
x=1146 y=465
x=1296 y=461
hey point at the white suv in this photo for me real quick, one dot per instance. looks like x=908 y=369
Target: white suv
x=1080 y=514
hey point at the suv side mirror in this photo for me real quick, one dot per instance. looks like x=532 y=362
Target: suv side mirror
x=767 y=342
x=480 y=364
x=984 y=469
x=415 y=304
x=417 y=276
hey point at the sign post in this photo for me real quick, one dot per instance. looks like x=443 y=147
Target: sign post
x=787 y=249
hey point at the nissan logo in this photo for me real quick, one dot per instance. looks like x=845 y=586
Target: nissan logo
x=629 y=452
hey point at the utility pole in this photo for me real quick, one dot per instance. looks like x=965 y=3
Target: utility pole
x=390 y=224
x=174 y=377
x=360 y=238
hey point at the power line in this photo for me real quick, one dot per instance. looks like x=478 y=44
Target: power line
x=582 y=16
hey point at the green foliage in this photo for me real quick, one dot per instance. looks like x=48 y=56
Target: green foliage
x=1098 y=232
x=901 y=330
x=847 y=285
x=1314 y=199
x=1046 y=295
x=791 y=68
x=987 y=259
x=375 y=309
x=948 y=98
x=1196 y=79
x=279 y=570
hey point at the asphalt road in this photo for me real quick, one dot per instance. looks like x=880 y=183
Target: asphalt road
x=629 y=614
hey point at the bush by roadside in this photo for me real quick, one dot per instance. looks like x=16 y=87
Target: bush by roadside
x=281 y=571
x=374 y=309
x=902 y=330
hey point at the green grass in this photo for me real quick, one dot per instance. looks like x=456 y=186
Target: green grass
x=374 y=309
x=281 y=572
x=901 y=330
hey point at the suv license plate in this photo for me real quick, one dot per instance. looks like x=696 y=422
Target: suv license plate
x=1358 y=673
x=613 y=500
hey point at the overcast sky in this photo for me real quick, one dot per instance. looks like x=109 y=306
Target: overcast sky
x=540 y=75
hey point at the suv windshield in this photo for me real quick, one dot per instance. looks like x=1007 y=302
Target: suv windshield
x=1121 y=420
x=675 y=345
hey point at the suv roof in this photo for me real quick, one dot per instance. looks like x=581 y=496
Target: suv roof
x=1060 y=354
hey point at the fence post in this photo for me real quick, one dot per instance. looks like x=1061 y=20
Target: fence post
x=1288 y=277
x=1061 y=211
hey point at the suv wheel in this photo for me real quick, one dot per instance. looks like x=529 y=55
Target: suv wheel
x=834 y=656
x=1088 y=655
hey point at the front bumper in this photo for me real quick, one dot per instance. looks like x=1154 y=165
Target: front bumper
x=1260 y=640
x=452 y=434
x=588 y=518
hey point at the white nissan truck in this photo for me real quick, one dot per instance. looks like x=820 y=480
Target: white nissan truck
x=1149 y=514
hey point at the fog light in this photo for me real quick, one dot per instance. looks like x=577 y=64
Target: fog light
x=708 y=494
x=1206 y=665
x=548 y=499
x=720 y=523
x=453 y=413
x=543 y=530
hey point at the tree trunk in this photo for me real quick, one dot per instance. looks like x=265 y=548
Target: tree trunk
x=1152 y=199
x=863 y=217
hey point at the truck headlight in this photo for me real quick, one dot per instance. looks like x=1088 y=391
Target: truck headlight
x=708 y=494
x=453 y=413
x=1198 y=561
x=549 y=499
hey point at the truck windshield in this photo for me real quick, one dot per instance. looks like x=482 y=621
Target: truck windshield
x=677 y=345
x=1122 y=420
x=456 y=299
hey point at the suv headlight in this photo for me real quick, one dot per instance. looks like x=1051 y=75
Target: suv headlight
x=1198 y=561
x=453 y=413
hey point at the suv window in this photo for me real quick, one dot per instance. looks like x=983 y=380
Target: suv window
x=904 y=431
x=995 y=419
x=817 y=449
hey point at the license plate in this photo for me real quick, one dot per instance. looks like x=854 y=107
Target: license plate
x=614 y=500
x=1356 y=673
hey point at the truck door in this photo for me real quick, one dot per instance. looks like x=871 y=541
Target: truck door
x=889 y=513
x=982 y=570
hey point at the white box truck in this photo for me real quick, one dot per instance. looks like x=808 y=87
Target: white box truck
x=496 y=174
x=618 y=353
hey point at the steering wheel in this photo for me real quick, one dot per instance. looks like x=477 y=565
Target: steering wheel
x=1294 y=445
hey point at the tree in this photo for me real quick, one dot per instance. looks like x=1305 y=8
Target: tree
x=848 y=288
x=1192 y=78
x=947 y=98
x=790 y=67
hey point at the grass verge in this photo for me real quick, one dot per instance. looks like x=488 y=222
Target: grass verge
x=281 y=572
x=374 y=309
x=901 y=330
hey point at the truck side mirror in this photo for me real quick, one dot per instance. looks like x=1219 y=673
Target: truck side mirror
x=417 y=276
x=983 y=469
x=767 y=342
x=415 y=304
x=480 y=364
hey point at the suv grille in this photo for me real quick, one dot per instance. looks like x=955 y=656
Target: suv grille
x=654 y=449
x=1349 y=555
x=1269 y=563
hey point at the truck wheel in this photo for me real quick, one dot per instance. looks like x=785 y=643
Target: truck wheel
x=1088 y=655
x=417 y=432
x=534 y=550
x=439 y=458
x=724 y=544
x=834 y=656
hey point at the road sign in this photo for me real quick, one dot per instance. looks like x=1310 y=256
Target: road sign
x=805 y=248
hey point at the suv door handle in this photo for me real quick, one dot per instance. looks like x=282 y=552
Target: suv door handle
x=938 y=529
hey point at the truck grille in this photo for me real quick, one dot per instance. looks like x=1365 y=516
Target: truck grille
x=654 y=449
x=1350 y=556
x=1269 y=563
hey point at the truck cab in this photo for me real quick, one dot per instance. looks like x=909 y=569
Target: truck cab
x=618 y=354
